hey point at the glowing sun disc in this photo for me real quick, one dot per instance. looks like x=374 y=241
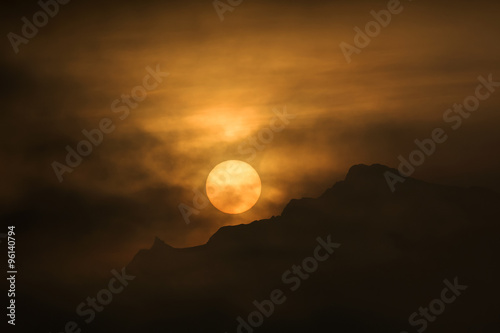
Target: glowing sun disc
x=233 y=187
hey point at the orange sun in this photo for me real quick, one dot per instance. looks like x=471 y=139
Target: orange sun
x=233 y=187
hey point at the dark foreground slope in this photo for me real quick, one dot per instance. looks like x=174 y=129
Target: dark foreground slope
x=396 y=249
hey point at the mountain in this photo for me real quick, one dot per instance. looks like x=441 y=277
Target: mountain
x=359 y=258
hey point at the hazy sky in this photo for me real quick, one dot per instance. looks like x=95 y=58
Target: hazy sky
x=225 y=80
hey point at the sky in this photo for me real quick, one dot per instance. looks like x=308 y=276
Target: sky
x=226 y=82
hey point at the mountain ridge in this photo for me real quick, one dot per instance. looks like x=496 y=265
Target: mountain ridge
x=397 y=248
x=360 y=177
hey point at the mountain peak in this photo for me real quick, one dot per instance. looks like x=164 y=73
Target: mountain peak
x=160 y=245
x=363 y=178
x=363 y=171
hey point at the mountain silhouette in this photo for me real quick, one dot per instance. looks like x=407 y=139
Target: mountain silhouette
x=384 y=255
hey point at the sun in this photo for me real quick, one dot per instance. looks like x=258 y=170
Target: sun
x=233 y=187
